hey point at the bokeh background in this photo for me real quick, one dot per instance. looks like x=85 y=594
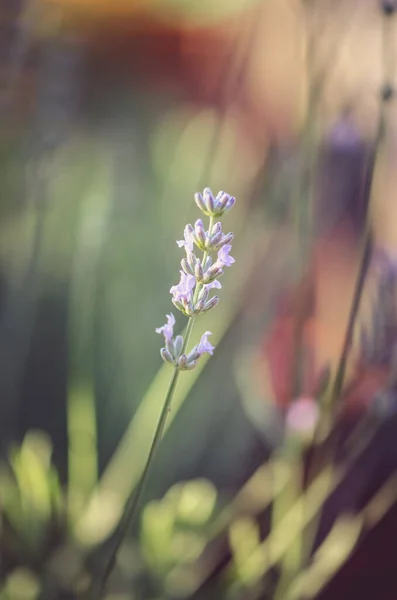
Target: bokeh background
x=113 y=114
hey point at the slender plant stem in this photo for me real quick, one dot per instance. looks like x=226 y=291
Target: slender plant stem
x=133 y=502
x=134 y=499
x=387 y=64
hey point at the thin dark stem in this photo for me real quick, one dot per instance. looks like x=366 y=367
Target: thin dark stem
x=355 y=307
x=134 y=499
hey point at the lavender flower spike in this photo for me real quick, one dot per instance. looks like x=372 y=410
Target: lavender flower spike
x=198 y=277
x=192 y=297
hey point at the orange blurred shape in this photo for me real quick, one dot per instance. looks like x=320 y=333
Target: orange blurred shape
x=100 y=8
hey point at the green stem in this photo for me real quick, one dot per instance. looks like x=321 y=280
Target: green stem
x=134 y=499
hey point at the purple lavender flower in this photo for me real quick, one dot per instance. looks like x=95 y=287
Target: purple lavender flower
x=189 y=238
x=184 y=288
x=211 y=206
x=200 y=233
x=198 y=277
x=224 y=259
x=204 y=345
x=214 y=284
x=168 y=329
x=224 y=201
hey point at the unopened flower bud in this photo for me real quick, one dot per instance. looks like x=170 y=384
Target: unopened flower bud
x=213 y=273
x=209 y=201
x=170 y=346
x=191 y=365
x=182 y=362
x=226 y=239
x=178 y=345
x=191 y=259
x=207 y=263
x=211 y=303
x=204 y=293
x=221 y=200
x=166 y=356
x=214 y=240
x=193 y=355
x=217 y=228
x=198 y=198
x=200 y=233
x=198 y=271
x=186 y=267
x=185 y=303
x=199 y=307
x=178 y=304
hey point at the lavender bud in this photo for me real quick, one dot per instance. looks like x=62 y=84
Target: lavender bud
x=230 y=203
x=198 y=198
x=198 y=271
x=204 y=293
x=199 y=307
x=186 y=267
x=221 y=200
x=170 y=346
x=189 y=229
x=208 y=263
x=214 y=240
x=182 y=362
x=191 y=259
x=211 y=303
x=200 y=233
x=178 y=304
x=209 y=200
x=212 y=273
x=188 y=307
x=226 y=239
x=194 y=354
x=217 y=228
x=191 y=365
x=166 y=356
x=178 y=345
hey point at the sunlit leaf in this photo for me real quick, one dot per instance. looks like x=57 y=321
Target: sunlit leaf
x=196 y=501
x=22 y=584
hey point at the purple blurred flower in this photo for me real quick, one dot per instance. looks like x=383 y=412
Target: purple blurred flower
x=214 y=284
x=189 y=238
x=184 y=288
x=214 y=206
x=303 y=416
x=204 y=345
x=168 y=329
x=223 y=256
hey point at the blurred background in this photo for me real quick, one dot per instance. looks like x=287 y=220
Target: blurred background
x=113 y=114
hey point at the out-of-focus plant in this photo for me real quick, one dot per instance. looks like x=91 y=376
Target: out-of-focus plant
x=174 y=530
x=31 y=503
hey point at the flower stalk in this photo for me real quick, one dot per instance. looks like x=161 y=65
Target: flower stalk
x=191 y=297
